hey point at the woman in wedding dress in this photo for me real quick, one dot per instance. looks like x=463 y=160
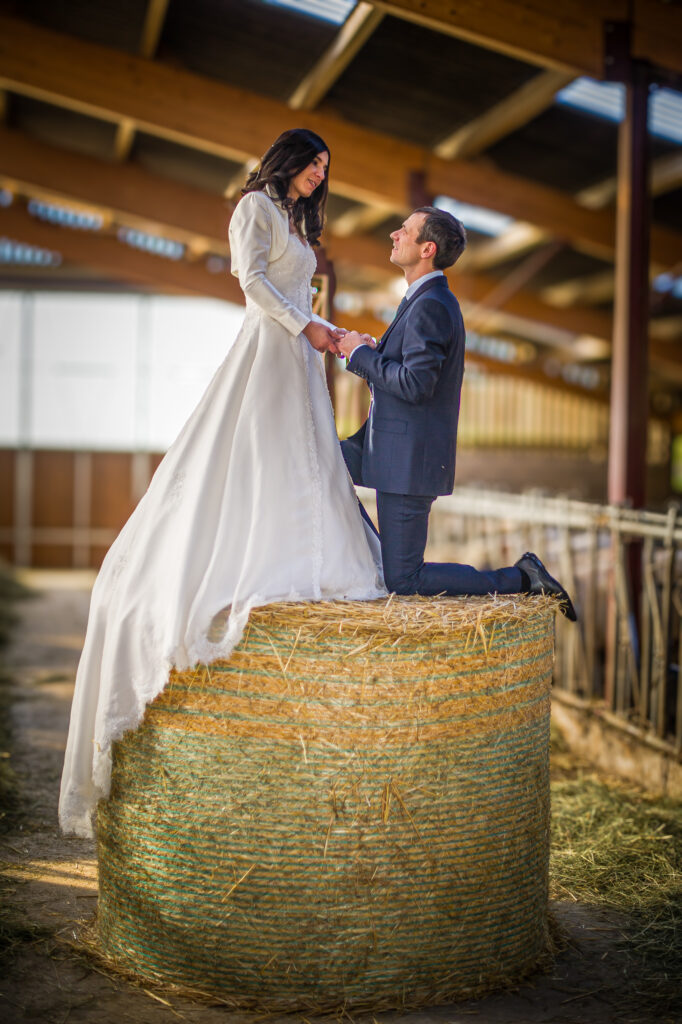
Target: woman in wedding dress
x=251 y=504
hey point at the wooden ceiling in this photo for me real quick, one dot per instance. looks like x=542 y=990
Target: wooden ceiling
x=148 y=113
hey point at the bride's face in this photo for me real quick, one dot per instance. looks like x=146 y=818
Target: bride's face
x=307 y=180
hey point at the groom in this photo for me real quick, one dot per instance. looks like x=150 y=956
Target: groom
x=406 y=448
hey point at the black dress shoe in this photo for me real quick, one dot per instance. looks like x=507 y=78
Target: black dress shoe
x=542 y=583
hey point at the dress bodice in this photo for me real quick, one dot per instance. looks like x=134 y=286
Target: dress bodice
x=273 y=265
x=291 y=274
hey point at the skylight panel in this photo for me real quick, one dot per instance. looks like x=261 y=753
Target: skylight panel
x=665 y=114
x=334 y=11
x=22 y=255
x=157 y=245
x=65 y=216
x=668 y=284
x=477 y=218
x=607 y=99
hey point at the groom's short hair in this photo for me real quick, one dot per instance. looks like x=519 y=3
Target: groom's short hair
x=446 y=232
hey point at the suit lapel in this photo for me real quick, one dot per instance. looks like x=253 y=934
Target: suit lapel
x=434 y=281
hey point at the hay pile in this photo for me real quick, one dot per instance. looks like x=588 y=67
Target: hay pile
x=351 y=811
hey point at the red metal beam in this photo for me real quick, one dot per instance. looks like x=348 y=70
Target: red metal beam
x=629 y=403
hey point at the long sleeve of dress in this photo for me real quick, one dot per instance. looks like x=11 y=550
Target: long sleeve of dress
x=253 y=232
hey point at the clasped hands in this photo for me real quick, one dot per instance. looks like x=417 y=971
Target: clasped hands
x=338 y=341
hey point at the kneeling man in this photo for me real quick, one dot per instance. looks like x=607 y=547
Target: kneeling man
x=406 y=448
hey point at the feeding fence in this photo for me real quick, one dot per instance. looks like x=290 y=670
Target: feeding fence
x=623 y=569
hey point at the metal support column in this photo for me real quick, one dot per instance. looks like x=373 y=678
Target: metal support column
x=629 y=359
x=629 y=402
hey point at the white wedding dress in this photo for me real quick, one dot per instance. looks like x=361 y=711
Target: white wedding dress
x=252 y=504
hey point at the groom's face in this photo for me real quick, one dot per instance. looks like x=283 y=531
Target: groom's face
x=407 y=251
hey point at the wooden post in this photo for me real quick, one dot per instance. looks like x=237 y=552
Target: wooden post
x=629 y=405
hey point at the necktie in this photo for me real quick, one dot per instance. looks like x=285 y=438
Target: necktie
x=401 y=307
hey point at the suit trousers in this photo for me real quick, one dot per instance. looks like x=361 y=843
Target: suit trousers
x=403 y=528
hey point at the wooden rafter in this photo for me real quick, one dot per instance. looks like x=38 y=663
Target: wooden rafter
x=505 y=117
x=569 y=37
x=153 y=26
x=352 y=36
x=593 y=289
x=149 y=41
x=359 y=219
x=666 y=175
x=135 y=196
x=111 y=256
x=150 y=202
x=119 y=261
x=475 y=289
x=523 y=312
x=517 y=240
x=472 y=138
x=217 y=118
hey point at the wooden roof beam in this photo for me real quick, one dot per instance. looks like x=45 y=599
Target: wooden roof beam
x=505 y=117
x=477 y=289
x=360 y=219
x=236 y=124
x=522 y=312
x=151 y=33
x=131 y=194
x=472 y=138
x=352 y=36
x=109 y=255
x=135 y=197
x=568 y=37
x=517 y=240
x=153 y=26
x=145 y=200
x=665 y=176
x=591 y=290
x=119 y=261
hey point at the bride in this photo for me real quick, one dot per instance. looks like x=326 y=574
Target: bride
x=251 y=504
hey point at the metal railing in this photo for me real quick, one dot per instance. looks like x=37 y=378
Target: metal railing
x=623 y=569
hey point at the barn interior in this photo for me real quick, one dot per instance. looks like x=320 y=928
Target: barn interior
x=554 y=134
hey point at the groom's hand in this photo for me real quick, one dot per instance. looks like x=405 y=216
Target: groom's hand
x=350 y=341
x=320 y=337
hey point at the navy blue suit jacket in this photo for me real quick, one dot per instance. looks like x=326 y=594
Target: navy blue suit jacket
x=415 y=374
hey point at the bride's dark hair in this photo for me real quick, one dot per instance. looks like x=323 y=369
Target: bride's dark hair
x=288 y=156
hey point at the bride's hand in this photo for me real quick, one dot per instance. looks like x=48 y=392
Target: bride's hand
x=320 y=337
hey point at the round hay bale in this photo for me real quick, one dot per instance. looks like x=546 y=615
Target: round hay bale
x=353 y=810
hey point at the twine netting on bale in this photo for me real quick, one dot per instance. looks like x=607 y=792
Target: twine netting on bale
x=353 y=810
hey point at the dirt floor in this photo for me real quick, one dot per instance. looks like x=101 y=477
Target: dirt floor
x=49 y=883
